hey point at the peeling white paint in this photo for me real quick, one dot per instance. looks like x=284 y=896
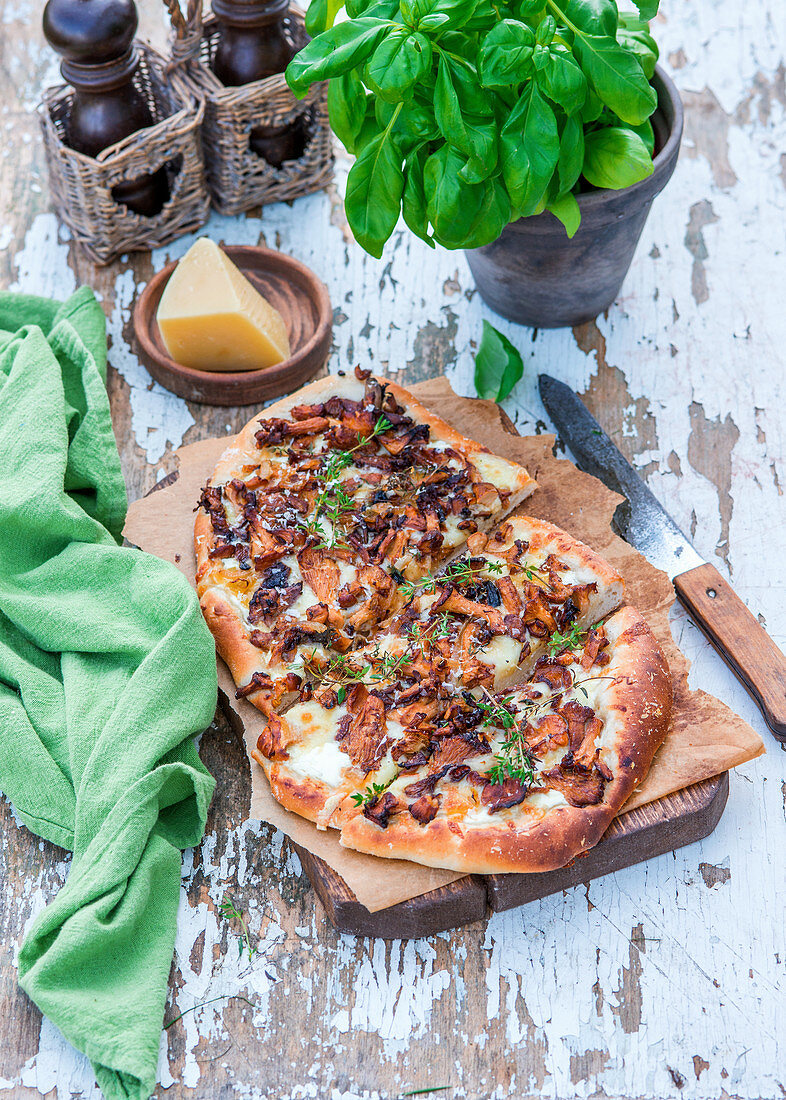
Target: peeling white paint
x=651 y=967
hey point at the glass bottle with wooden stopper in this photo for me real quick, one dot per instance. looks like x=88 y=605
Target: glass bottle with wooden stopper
x=252 y=45
x=95 y=40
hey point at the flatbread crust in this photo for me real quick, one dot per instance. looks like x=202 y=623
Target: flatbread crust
x=224 y=615
x=637 y=706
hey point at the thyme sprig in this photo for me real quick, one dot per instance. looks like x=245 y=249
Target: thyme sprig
x=534 y=573
x=374 y=790
x=230 y=912
x=341 y=673
x=457 y=572
x=514 y=760
x=572 y=638
x=438 y=628
x=332 y=501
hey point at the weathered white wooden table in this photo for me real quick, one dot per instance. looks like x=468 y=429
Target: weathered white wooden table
x=664 y=980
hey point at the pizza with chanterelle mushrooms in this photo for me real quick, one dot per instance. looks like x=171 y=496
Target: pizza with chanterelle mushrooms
x=318 y=513
x=441 y=684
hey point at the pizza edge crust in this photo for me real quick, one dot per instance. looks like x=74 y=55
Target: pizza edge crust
x=299 y=794
x=565 y=832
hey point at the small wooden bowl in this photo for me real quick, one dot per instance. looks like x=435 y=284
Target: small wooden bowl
x=298 y=295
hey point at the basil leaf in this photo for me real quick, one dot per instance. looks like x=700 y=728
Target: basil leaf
x=647 y=135
x=382 y=9
x=433 y=22
x=563 y=81
x=491 y=218
x=482 y=134
x=648 y=9
x=398 y=63
x=615 y=157
x=369 y=130
x=339 y=49
x=529 y=150
x=525 y=9
x=591 y=16
x=321 y=14
x=498 y=365
x=456 y=102
x=413 y=203
x=545 y=31
x=540 y=57
x=414 y=125
x=617 y=77
x=634 y=35
x=593 y=107
x=486 y=15
x=571 y=154
x=457 y=11
x=374 y=188
x=567 y=210
x=473 y=98
x=346 y=108
x=452 y=205
x=506 y=54
x=447 y=109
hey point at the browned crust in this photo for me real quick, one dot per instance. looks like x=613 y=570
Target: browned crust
x=640 y=698
x=300 y=794
x=242 y=658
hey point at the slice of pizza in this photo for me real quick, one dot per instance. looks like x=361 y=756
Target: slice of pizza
x=527 y=780
x=321 y=509
x=488 y=616
x=380 y=709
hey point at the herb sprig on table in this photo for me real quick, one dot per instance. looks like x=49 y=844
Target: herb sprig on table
x=465 y=115
x=230 y=912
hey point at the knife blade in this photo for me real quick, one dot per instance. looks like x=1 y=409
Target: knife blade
x=644 y=523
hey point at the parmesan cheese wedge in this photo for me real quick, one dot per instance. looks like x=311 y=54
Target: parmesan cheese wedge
x=211 y=318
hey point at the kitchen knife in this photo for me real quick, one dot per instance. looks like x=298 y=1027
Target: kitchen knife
x=642 y=521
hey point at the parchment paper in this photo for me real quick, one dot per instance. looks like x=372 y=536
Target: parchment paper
x=707 y=738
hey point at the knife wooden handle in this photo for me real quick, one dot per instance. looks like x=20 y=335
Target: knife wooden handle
x=740 y=638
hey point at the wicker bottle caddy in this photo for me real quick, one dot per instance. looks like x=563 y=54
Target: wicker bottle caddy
x=125 y=191
x=242 y=124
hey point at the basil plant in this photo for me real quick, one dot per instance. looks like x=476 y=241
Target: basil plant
x=465 y=115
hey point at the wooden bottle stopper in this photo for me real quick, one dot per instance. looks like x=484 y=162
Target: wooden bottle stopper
x=252 y=45
x=95 y=40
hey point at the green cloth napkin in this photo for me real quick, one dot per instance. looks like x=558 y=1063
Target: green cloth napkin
x=107 y=671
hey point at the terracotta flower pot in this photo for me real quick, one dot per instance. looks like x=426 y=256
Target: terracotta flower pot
x=535 y=275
